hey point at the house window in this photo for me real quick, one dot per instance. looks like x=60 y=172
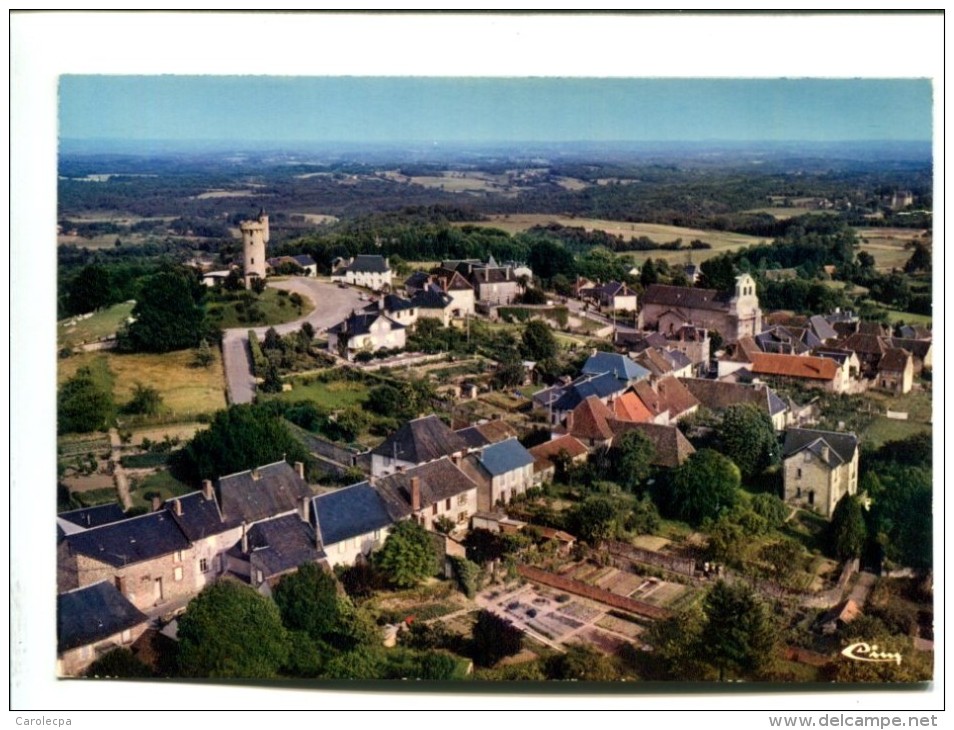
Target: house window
x=798 y=492
x=798 y=473
x=259 y=577
x=434 y=509
x=341 y=546
x=177 y=573
x=447 y=504
x=203 y=565
x=177 y=556
x=462 y=499
x=462 y=517
x=377 y=534
x=811 y=497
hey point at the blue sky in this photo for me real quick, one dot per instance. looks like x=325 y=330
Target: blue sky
x=367 y=109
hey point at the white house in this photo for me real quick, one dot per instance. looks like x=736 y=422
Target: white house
x=371 y=271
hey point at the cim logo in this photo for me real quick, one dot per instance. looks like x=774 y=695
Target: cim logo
x=864 y=652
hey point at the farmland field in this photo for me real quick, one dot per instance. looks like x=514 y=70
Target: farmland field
x=184 y=389
x=887 y=245
x=784 y=213
x=333 y=395
x=456 y=182
x=720 y=240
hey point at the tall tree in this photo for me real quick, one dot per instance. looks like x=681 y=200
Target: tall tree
x=239 y=438
x=704 y=486
x=494 y=638
x=538 y=342
x=846 y=531
x=167 y=315
x=84 y=404
x=632 y=455
x=407 y=556
x=739 y=630
x=90 y=289
x=231 y=630
x=718 y=273
x=747 y=436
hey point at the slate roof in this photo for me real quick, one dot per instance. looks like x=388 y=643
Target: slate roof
x=133 y=540
x=822 y=328
x=492 y=276
x=622 y=367
x=639 y=341
x=457 y=283
x=440 y=480
x=668 y=394
x=277 y=489
x=654 y=362
x=89 y=517
x=544 y=454
x=304 y=259
x=919 y=348
x=391 y=303
x=842 y=446
x=671 y=447
x=417 y=280
x=677 y=358
x=491 y=432
x=200 y=517
x=689 y=297
x=472 y=437
x=864 y=344
x=914 y=332
x=787 y=340
x=359 y=323
x=591 y=420
x=601 y=386
x=93 y=613
x=505 y=456
x=281 y=544
x=351 y=512
x=795 y=366
x=369 y=264
x=429 y=299
x=420 y=440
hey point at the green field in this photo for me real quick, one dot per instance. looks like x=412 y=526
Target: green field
x=274 y=308
x=105 y=322
x=184 y=389
x=161 y=482
x=330 y=396
x=887 y=245
x=896 y=316
x=785 y=213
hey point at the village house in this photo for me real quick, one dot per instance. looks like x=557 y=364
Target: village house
x=819 y=468
x=302 y=264
x=732 y=314
x=368 y=270
x=397 y=309
x=589 y=423
x=272 y=548
x=667 y=399
x=922 y=352
x=367 y=331
x=787 y=340
x=418 y=441
x=449 y=282
x=487 y=432
x=548 y=454
x=434 y=304
x=262 y=493
x=431 y=491
x=623 y=368
x=819 y=372
x=353 y=522
x=628 y=407
x=501 y=471
x=670 y=447
x=895 y=371
x=612 y=296
x=92 y=621
x=693 y=342
x=148 y=559
x=492 y=283
x=559 y=400
x=717 y=395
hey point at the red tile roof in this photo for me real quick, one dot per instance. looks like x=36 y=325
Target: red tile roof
x=795 y=366
x=543 y=454
x=591 y=420
x=628 y=407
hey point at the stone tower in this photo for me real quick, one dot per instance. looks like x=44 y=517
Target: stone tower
x=254 y=238
x=744 y=307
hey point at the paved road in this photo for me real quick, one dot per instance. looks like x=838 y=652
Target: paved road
x=580 y=309
x=332 y=304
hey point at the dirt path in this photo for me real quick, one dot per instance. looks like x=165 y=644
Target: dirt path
x=119 y=474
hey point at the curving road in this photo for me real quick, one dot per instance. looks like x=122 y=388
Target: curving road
x=332 y=304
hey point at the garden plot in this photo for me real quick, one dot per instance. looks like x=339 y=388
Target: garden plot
x=657 y=592
x=601 y=640
x=629 y=629
x=622 y=583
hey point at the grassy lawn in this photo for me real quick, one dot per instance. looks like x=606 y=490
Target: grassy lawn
x=272 y=306
x=784 y=213
x=887 y=245
x=162 y=482
x=895 y=316
x=102 y=324
x=330 y=396
x=885 y=429
x=184 y=389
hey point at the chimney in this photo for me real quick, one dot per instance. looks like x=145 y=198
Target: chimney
x=255 y=475
x=415 y=494
x=156 y=504
x=305 y=508
x=826 y=452
x=121 y=584
x=456 y=458
x=400 y=468
x=244 y=539
x=177 y=507
x=569 y=422
x=207 y=489
x=300 y=468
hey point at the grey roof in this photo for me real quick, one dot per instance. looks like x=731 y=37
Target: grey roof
x=602 y=386
x=439 y=480
x=417 y=280
x=93 y=613
x=686 y=296
x=130 y=541
x=369 y=263
x=304 y=259
x=282 y=544
x=504 y=457
x=200 y=517
x=473 y=437
x=842 y=446
x=776 y=404
x=677 y=358
x=822 y=328
x=89 y=517
x=350 y=512
x=276 y=489
x=359 y=323
x=639 y=341
x=622 y=367
x=430 y=299
x=420 y=440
